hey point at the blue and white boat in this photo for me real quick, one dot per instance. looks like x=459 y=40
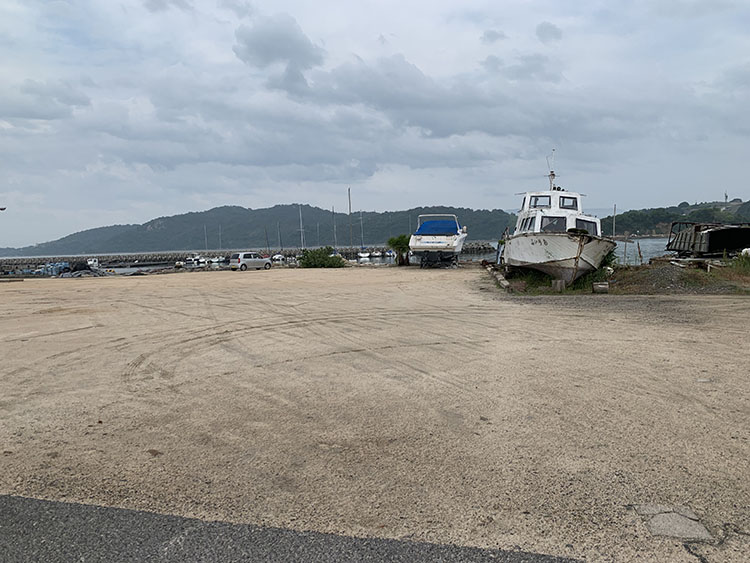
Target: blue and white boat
x=438 y=240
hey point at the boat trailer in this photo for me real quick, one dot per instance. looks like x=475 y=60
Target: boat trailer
x=438 y=259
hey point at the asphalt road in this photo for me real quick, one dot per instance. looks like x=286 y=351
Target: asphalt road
x=38 y=530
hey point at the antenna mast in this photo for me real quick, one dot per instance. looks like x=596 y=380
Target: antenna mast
x=551 y=168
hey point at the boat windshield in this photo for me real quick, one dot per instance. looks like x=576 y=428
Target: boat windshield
x=568 y=203
x=438 y=227
x=589 y=226
x=553 y=224
x=539 y=201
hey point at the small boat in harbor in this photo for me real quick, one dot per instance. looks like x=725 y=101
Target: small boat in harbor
x=194 y=261
x=364 y=254
x=376 y=254
x=438 y=240
x=554 y=236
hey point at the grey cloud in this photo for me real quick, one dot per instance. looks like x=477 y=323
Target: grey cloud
x=492 y=35
x=392 y=82
x=492 y=63
x=291 y=81
x=548 y=32
x=532 y=67
x=276 y=39
x=241 y=8
x=24 y=107
x=163 y=5
x=41 y=100
x=691 y=8
x=62 y=92
x=737 y=77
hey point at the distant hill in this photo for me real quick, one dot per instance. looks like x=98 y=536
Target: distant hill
x=656 y=221
x=233 y=227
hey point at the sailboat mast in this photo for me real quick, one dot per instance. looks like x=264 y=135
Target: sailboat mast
x=301 y=229
x=351 y=235
x=361 y=229
x=333 y=214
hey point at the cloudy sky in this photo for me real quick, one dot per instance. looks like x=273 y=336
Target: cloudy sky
x=125 y=110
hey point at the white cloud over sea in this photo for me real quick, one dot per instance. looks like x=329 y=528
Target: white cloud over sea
x=120 y=112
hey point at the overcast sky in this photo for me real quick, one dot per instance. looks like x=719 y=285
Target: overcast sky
x=124 y=111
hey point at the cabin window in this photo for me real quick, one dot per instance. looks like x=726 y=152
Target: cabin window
x=568 y=203
x=553 y=224
x=530 y=223
x=589 y=226
x=523 y=205
x=540 y=201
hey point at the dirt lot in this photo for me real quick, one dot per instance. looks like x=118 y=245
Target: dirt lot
x=390 y=402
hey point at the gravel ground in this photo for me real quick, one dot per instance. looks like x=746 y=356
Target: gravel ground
x=398 y=403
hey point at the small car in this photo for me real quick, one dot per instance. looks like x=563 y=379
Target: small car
x=244 y=260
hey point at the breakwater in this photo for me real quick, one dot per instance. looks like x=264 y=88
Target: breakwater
x=145 y=259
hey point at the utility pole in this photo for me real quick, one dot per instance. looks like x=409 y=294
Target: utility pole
x=268 y=246
x=614 y=217
x=205 y=236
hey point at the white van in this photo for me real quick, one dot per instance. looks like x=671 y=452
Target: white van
x=244 y=260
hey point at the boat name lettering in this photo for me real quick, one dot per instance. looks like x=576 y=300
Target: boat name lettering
x=536 y=241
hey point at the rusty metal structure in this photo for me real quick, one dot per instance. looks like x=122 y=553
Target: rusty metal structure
x=708 y=239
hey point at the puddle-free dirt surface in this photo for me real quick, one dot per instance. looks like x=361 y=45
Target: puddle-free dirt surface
x=382 y=402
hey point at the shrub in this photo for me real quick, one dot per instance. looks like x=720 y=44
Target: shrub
x=321 y=258
x=741 y=265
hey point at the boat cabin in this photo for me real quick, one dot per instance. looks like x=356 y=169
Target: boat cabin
x=554 y=211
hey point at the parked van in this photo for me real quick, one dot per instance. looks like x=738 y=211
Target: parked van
x=244 y=260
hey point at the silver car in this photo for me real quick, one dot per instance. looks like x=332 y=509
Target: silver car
x=244 y=260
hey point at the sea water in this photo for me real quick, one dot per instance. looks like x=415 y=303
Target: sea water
x=640 y=251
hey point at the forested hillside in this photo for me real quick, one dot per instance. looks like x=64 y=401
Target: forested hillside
x=657 y=221
x=233 y=227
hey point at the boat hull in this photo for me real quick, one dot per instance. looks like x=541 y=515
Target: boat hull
x=564 y=256
x=420 y=244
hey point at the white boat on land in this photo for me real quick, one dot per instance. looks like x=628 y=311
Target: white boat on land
x=554 y=236
x=438 y=240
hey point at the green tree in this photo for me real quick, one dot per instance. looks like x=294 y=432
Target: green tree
x=321 y=258
x=400 y=246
